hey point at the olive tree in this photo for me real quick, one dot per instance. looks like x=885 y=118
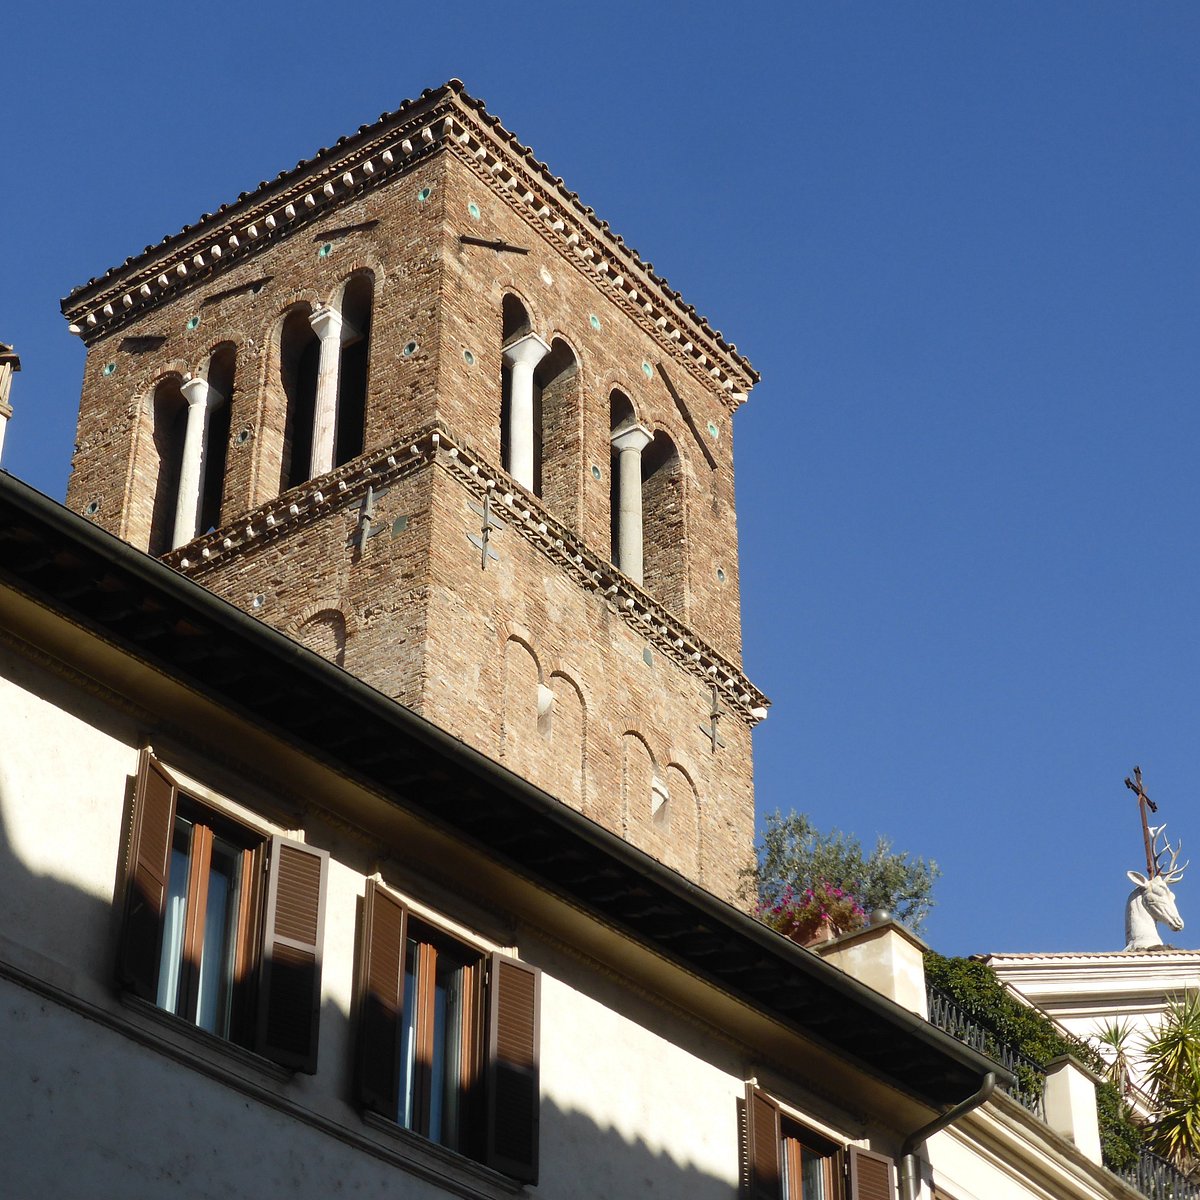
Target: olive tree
x=794 y=855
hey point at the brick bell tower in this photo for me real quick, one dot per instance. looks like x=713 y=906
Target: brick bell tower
x=415 y=405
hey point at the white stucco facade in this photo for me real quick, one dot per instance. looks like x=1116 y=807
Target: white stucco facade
x=637 y=1096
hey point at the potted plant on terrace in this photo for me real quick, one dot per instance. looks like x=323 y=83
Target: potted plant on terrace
x=815 y=914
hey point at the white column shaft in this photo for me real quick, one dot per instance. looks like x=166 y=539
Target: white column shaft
x=327 y=323
x=629 y=443
x=199 y=397
x=522 y=357
x=629 y=517
x=5 y=413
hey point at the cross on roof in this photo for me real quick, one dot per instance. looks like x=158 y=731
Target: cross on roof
x=1144 y=803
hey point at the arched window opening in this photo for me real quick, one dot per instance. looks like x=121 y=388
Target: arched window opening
x=515 y=325
x=356 y=308
x=169 y=417
x=621 y=417
x=557 y=433
x=662 y=520
x=299 y=355
x=221 y=369
x=516 y=319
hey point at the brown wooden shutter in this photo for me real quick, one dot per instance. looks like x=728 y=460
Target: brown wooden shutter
x=872 y=1176
x=289 y=996
x=763 y=1140
x=513 y=1089
x=147 y=868
x=381 y=1000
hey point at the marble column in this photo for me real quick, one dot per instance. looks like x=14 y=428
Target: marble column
x=334 y=332
x=201 y=400
x=522 y=356
x=629 y=442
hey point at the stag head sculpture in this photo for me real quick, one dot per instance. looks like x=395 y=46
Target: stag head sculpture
x=1152 y=900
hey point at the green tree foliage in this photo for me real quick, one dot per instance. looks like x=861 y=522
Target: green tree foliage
x=1172 y=1056
x=973 y=986
x=795 y=854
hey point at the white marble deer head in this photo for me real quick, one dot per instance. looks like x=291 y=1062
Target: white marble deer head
x=1152 y=900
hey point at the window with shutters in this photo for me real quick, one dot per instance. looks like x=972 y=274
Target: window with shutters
x=786 y=1160
x=222 y=923
x=447 y=1038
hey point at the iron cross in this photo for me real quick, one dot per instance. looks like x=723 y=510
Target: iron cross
x=710 y=730
x=366 y=515
x=489 y=522
x=1144 y=803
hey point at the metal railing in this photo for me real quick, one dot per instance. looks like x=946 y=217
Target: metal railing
x=1030 y=1076
x=1157 y=1179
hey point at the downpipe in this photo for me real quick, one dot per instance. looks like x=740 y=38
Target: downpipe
x=910 y=1169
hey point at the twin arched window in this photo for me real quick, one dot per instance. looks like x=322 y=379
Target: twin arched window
x=190 y=423
x=541 y=447
x=323 y=357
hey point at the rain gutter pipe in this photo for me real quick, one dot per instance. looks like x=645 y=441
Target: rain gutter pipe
x=910 y=1170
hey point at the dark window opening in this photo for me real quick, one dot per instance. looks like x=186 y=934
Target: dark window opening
x=557 y=437
x=221 y=370
x=663 y=540
x=299 y=357
x=620 y=414
x=357 y=299
x=515 y=324
x=169 y=416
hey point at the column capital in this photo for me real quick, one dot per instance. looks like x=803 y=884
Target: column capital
x=326 y=322
x=526 y=351
x=631 y=437
x=200 y=391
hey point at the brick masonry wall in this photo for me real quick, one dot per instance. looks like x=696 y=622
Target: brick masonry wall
x=519 y=661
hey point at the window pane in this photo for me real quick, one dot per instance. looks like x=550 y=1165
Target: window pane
x=171 y=963
x=214 y=1002
x=447 y=1052
x=812 y=1174
x=407 y=1066
x=804 y=1172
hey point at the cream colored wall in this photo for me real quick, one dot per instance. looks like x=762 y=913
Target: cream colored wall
x=995 y=1154
x=636 y=1098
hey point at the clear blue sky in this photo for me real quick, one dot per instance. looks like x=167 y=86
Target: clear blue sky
x=959 y=240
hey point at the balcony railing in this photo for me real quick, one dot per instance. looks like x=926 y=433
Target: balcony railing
x=1157 y=1179
x=1030 y=1076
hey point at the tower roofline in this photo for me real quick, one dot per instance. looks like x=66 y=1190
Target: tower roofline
x=440 y=118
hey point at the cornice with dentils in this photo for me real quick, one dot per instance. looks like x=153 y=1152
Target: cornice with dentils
x=441 y=118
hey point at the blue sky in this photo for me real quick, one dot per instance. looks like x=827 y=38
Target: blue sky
x=959 y=242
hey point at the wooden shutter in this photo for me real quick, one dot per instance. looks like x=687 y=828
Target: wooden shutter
x=147 y=868
x=513 y=1090
x=381 y=1000
x=289 y=994
x=763 y=1140
x=871 y=1176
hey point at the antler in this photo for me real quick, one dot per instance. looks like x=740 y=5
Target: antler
x=1172 y=873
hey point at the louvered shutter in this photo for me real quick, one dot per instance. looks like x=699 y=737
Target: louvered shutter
x=513 y=1090
x=289 y=994
x=872 y=1176
x=381 y=1000
x=763 y=1140
x=147 y=867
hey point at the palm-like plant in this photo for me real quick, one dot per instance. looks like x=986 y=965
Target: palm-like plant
x=1115 y=1041
x=1172 y=1057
